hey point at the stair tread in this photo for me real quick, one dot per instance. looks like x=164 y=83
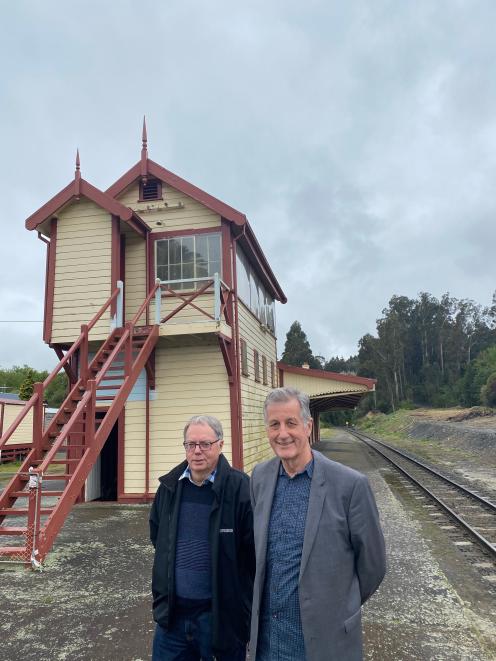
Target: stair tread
x=13 y=530
x=25 y=494
x=22 y=511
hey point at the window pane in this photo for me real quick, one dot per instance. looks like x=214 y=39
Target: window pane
x=162 y=253
x=175 y=272
x=214 y=248
x=201 y=247
x=174 y=251
x=201 y=268
x=188 y=272
x=214 y=267
x=162 y=272
x=188 y=249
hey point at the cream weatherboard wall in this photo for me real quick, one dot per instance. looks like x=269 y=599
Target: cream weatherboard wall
x=82 y=270
x=135 y=271
x=255 y=444
x=181 y=212
x=23 y=435
x=190 y=380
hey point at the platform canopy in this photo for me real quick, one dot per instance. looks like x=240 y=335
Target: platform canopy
x=327 y=390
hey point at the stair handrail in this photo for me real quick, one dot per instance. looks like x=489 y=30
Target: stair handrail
x=34 y=398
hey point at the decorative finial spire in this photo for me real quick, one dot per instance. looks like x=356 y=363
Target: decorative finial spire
x=144 y=153
x=77 y=176
x=143 y=137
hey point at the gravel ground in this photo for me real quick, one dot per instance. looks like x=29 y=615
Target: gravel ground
x=418 y=612
x=92 y=602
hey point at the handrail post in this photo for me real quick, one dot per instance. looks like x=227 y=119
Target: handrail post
x=119 y=313
x=216 y=297
x=33 y=523
x=158 y=302
x=83 y=354
x=90 y=421
x=128 y=350
x=38 y=415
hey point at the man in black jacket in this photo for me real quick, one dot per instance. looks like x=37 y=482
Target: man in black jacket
x=201 y=525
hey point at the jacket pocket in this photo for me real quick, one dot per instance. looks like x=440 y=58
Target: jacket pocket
x=353 y=621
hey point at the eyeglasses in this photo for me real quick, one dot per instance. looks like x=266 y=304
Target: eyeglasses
x=190 y=446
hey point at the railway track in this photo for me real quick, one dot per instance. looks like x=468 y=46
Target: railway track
x=474 y=513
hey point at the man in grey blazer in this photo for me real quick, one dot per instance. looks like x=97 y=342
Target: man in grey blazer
x=319 y=546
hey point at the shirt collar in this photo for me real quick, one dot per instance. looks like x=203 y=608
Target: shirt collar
x=187 y=474
x=308 y=469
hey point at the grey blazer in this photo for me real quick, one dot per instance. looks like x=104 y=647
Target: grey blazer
x=343 y=560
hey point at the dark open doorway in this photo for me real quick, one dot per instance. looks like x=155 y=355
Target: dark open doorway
x=108 y=466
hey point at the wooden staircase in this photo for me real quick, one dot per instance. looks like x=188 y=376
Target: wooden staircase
x=37 y=500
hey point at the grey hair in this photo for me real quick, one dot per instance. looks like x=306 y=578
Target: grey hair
x=285 y=395
x=210 y=421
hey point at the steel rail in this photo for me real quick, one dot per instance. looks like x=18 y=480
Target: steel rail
x=482 y=540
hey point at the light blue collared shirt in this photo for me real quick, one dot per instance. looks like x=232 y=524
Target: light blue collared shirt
x=187 y=474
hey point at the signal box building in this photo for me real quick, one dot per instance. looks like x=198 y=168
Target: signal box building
x=160 y=305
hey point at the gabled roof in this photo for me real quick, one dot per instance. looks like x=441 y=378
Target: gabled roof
x=148 y=168
x=333 y=376
x=155 y=170
x=82 y=188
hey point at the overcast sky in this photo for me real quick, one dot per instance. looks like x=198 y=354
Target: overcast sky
x=358 y=137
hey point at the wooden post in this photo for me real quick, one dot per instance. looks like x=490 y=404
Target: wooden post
x=38 y=416
x=128 y=350
x=83 y=355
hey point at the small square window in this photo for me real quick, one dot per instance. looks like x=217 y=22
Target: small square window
x=264 y=371
x=256 y=361
x=273 y=375
x=244 y=359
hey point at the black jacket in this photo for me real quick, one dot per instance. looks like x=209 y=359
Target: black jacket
x=232 y=551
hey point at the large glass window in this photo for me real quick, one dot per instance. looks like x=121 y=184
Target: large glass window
x=252 y=292
x=187 y=258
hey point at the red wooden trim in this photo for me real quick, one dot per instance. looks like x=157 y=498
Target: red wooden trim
x=45 y=332
x=69 y=369
x=122 y=272
x=115 y=259
x=121 y=422
x=135 y=498
x=236 y=425
x=179 y=184
x=251 y=246
x=2 y=411
x=332 y=376
x=226 y=252
x=92 y=193
x=147 y=436
x=14 y=402
x=50 y=282
x=156 y=236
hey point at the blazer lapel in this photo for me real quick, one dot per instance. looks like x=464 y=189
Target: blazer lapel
x=314 y=512
x=265 y=497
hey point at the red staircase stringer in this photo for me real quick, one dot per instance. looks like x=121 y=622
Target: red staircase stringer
x=75 y=484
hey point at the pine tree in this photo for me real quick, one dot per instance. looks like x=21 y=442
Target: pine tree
x=27 y=386
x=297 y=348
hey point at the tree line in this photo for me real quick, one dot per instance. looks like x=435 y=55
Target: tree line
x=426 y=351
x=21 y=379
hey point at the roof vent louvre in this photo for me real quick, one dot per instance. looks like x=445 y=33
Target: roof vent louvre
x=152 y=190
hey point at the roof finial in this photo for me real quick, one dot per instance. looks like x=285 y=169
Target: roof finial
x=144 y=153
x=77 y=175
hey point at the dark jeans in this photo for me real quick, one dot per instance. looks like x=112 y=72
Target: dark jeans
x=190 y=639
